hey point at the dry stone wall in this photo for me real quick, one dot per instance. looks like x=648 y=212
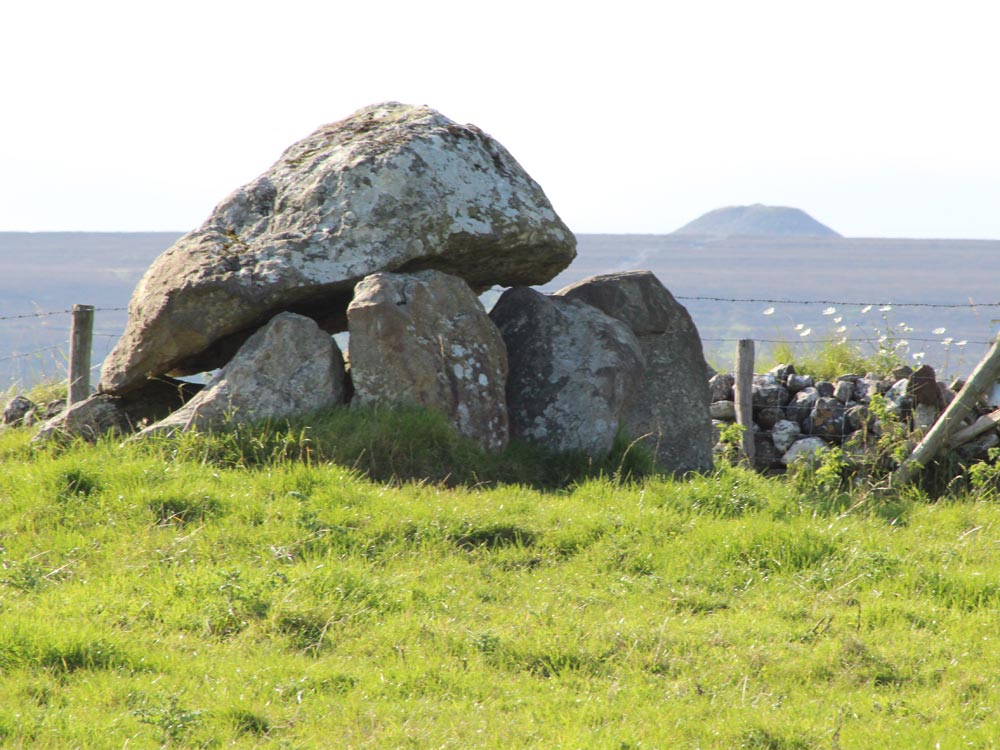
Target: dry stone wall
x=796 y=414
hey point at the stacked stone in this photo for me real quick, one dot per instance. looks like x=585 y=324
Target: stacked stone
x=796 y=414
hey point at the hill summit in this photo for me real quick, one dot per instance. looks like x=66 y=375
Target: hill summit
x=756 y=221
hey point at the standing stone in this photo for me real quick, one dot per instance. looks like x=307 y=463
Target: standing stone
x=671 y=402
x=572 y=370
x=287 y=368
x=424 y=339
x=392 y=187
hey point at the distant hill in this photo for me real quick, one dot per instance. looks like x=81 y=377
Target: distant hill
x=756 y=221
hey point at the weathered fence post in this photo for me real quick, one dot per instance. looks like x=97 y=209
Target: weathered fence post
x=984 y=376
x=80 y=343
x=743 y=393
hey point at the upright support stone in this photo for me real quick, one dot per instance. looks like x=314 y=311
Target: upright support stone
x=80 y=345
x=743 y=390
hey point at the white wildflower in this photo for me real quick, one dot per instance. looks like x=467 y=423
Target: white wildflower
x=885 y=308
x=963 y=342
x=806 y=332
x=901 y=325
x=939 y=331
x=902 y=344
x=799 y=326
x=866 y=308
x=841 y=329
x=830 y=311
x=947 y=341
x=838 y=319
x=768 y=311
x=919 y=355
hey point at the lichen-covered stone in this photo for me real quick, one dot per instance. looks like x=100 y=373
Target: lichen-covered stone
x=573 y=370
x=424 y=339
x=391 y=188
x=670 y=406
x=287 y=368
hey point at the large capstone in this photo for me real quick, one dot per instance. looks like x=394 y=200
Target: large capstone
x=424 y=339
x=573 y=370
x=288 y=368
x=391 y=188
x=670 y=407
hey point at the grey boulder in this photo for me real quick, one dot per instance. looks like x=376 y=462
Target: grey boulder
x=670 y=405
x=287 y=368
x=393 y=187
x=573 y=370
x=424 y=339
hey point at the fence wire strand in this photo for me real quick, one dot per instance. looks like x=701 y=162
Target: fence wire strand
x=940 y=305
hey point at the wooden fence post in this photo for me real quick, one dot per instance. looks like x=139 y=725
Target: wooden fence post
x=80 y=344
x=743 y=393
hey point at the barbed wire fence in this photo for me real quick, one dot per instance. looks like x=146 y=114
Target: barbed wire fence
x=799 y=335
x=52 y=359
x=969 y=318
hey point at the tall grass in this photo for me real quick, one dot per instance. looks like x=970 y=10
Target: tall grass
x=253 y=591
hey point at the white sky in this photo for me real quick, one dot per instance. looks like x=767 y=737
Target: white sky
x=878 y=117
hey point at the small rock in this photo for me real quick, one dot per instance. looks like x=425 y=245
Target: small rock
x=857 y=418
x=424 y=339
x=15 y=410
x=725 y=410
x=843 y=390
x=796 y=382
x=766 y=395
x=827 y=419
x=922 y=386
x=784 y=433
x=781 y=372
x=806 y=449
x=720 y=386
x=766 y=454
x=924 y=416
x=802 y=405
x=768 y=417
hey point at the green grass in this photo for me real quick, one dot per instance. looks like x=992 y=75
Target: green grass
x=269 y=590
